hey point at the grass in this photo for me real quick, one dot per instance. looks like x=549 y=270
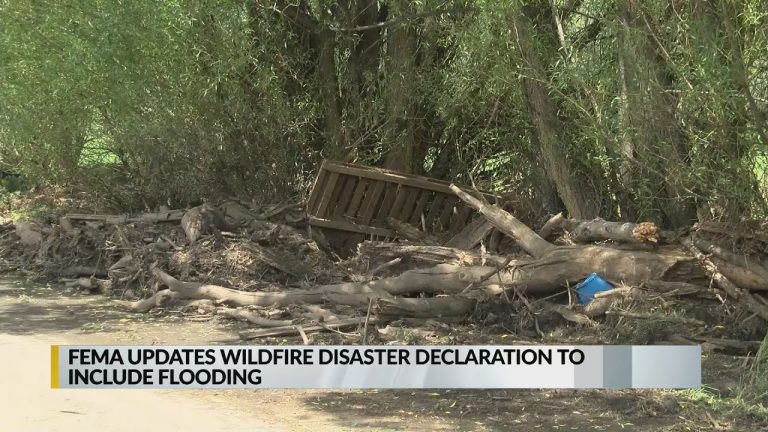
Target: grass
x=754 y=386
x=749 y=399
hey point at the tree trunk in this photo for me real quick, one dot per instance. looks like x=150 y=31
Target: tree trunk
x=401 y=94
x=579 y=198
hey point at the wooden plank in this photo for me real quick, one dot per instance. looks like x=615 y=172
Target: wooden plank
x=471 y=235
x=415 y=218
x=350 y=226
x=386 y=204
x=346 y=195
x=402 y=194
x=372 y=201
x=317 y=190
x=336 y=195
x=354 y=205
x=395 y=177
x=325 y=200
x=405 y=212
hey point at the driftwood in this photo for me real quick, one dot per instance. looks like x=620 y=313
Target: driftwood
x=160 y=299
x=582 y=231
x=742 y=270
x=508 y=224
x=744 y=297
x=252 y=318
x=294 y=329
x=164 y=216
x=558 y=266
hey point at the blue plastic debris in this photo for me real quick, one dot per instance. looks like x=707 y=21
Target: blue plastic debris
x=587 y=288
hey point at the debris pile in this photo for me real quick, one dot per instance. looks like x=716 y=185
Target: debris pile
x=268 y=268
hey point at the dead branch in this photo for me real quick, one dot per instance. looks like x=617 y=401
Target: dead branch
x=742 y=296
x=292 y=330
x=252 y=318
x=508 y=224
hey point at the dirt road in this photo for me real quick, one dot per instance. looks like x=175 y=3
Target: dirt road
x=30 y=405
x=32 y=317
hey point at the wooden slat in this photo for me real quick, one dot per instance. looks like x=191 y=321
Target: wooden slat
x=401 y=195
x=394 y=177
x=325 y=200
x=405 y=212
x=349 y=226
x=386 y=204
x=415 y=218
x=346 y=195
x=471 y=235
x=336 y=195
x=317 y=190
x=371 y=203
x=357 y=197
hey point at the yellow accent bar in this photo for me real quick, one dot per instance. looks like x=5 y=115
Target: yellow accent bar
x=54 y=366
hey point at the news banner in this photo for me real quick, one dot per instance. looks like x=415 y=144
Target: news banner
x=366 y=367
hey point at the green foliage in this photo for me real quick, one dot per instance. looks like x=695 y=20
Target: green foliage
x=660 y=107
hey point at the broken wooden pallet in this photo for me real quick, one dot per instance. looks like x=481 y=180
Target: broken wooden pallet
x=360 y=200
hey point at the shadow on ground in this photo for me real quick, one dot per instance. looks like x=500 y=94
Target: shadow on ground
x=483 y=410
x=32 y=309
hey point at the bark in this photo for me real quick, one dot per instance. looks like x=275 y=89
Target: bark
x=598 y=230
x=160 y=299
x=508 y=224
x=329 y=94
x=401 y=94
x=657 y=146
x=164 y=216
x=743 y=297
x=742 y=270
x=580 y=199
x=196 y=290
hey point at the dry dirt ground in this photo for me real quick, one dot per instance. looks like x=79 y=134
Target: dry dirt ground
x=33 y=316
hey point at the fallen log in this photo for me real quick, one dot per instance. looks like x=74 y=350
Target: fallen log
x=742 y=270
x=582 y=231
x=164 y=216
x=508 y=224
x=742 y=296
x=556 y=266
x=197 y=290
x=159 y=299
